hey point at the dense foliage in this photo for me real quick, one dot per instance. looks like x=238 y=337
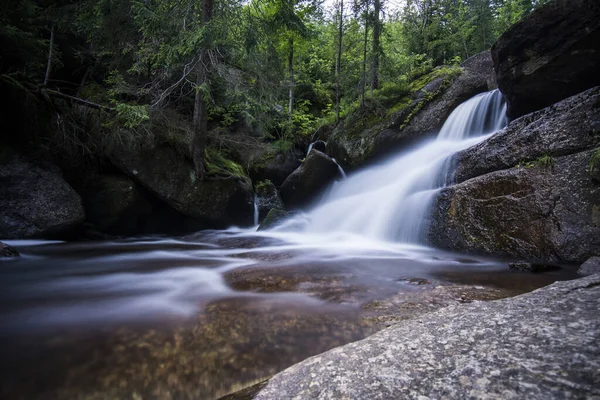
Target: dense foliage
x=276 y=69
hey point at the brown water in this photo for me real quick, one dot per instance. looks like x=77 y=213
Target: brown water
x=201 y=316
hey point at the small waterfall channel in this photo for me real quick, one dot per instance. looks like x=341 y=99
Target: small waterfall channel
x=391 y=201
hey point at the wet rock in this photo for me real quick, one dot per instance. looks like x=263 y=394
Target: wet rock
x=114 y=203
x=567 y=127
x=549 y=55
x=590 y=267
x=428 y=116
x=275 y=217
x=320 y=145
x=509 y=348
x=528 y=190
x=308 y=181
x=7 y=251
x=525 y=266
x=544 y=212
x=169 y=175
x=35 y=200
x=365 y=134
x=275 y=166
x=267 y=198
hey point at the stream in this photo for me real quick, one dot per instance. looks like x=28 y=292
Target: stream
x=207 y=314
x=203 y=315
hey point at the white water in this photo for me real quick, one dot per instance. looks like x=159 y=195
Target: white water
x=255 y=210
x=392 y=201
x=368 y=229
x=340 y=169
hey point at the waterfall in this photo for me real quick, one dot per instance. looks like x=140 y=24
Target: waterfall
x=255 y=210
x=340 y=169
x=392 y=201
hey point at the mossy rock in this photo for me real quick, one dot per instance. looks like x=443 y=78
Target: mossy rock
x=274 y=218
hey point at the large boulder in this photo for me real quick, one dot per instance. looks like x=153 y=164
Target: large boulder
x=540 y=345
x=115 y=203
x=528 y=191
x=550 y=55
x=590 y=267
x=169 y=175
x=274 y=166
x=306 y=182
x=364 y=135
x=35 y=200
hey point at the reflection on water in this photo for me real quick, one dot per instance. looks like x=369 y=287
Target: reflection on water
x=199 y=316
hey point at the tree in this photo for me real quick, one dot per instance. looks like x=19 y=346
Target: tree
x=377 y=25
x=200 y=117
x=338 y=58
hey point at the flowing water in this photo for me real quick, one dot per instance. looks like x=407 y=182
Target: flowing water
x=198 y=316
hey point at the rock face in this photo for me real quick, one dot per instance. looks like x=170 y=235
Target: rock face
x=591 y=266
x=363 y=135
x=7 y=251
x=170 y=176
x=550 y=55
x=528 y=191
x=35 y=201
x=477 y=76
x=275 y=167
x=114 y=203
x=267 y=198
x=540 y=345
x=306 y=182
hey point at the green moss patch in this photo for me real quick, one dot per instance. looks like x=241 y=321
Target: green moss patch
x=218 y=166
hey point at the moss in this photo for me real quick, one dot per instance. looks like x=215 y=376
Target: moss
x=595 y=160
x=217 y=165
x=544 y=161
x=263 y=184
x=448 y=73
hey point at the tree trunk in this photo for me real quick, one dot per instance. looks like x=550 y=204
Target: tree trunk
x=50 y=55
x=376 y=45
x=338 y=62
x=200 y=117
x=292 y=83
x=364 y=66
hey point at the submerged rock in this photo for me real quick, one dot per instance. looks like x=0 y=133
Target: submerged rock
x=528 y=190
x=35 y=200
x=539 y=345
x=7 y=251
x=302 y=186
x=549 y=55
x=590 y=267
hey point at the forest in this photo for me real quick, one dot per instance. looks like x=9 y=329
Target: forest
x=299 y=199
x=276 y=70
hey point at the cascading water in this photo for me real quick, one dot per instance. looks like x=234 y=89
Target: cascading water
x=391 y=201
x=340 y=169
x=255 y=210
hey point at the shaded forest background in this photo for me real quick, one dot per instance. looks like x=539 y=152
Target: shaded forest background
x=80 y=77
